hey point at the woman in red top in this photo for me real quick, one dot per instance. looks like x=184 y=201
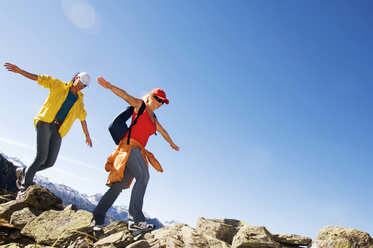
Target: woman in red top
x=130 y=160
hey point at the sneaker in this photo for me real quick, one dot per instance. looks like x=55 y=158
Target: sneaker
x=140 y=226
x=21 y=193
x=20 y=174
x=97 y=227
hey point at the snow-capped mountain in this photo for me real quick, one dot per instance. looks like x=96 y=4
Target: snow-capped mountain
x=82 y=201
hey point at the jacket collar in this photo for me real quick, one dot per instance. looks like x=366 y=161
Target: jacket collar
x=80 y=94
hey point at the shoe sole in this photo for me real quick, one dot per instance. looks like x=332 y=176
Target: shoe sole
x=138 y=232
x=20 y=176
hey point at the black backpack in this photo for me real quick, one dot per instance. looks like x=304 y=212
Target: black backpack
x=118 y=128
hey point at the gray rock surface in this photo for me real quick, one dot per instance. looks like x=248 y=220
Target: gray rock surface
x=292 y=239
x=119 y=239
x=35 y=197
x=254 y=237
x=22 y=217
x=58 y=227
x=222 y=229
x=333 y=236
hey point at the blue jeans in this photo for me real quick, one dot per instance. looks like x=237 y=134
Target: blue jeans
x=137 y=168
x=48 y=142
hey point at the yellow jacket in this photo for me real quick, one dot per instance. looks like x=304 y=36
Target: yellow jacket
x=116 y=162
x=57 y=95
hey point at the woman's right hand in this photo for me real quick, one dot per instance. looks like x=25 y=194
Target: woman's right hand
x=103 y=82
x=12 y=68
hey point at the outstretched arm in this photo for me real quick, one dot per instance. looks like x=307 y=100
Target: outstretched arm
x=166 y=136
x=86 y=133
x=16 y=69
x=134 y=102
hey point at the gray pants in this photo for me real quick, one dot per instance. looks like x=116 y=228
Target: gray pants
x=48 y=142
x=137 y=168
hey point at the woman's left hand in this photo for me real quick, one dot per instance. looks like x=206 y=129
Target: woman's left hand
x=88 y=141
x=175 y=147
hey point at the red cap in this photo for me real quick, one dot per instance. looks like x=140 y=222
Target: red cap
x=160 y=93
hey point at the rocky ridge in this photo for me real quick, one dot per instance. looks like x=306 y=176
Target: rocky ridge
x=67 y=194
x=39 y=220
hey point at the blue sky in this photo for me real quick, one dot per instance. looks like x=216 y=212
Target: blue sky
x=270 y=102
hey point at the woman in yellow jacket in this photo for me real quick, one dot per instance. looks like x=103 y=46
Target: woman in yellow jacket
x=64 y=104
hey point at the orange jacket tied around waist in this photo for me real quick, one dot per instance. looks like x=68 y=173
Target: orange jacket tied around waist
x=116 y=162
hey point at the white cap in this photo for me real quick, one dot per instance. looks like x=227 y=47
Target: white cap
x=84 y=78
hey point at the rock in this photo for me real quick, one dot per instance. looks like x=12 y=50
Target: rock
x=22 y=217
x=119 y=239
x=41 y=198
x=8 y=208
x=181 y=235
x=12 y=245
x=15 y=235
x=113 y=228
x=192 y=239
x=35 y=197
x=291 y=239
x=254 y=237
x=222 y=229
x=332 y=236
x=81 y=243
x=61 y=227
x=139 y=244
x=166 y=237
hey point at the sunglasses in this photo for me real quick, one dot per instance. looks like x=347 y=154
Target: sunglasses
x=82 y=84
x=158 y=99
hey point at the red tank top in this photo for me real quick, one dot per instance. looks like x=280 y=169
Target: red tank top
x=143 y=129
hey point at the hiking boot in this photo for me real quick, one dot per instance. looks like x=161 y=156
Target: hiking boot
x=140 y=226
x=21 y=193
x=20 y=174
x=97 y=227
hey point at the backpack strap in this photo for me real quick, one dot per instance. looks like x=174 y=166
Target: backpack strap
x=141 y=110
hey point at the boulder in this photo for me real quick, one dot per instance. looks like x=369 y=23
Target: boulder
x=35 y=197
x=254 y=237
x=41 y=198
x=59 y=227
x=8 y=208
x=291 y=239
x=113 y=228
x=119 y=239
x=222 y=229
x=191 y=239
x=81 y=242
x=181 y=235
x=333 y=236
x=22 y=217
x=166 y=237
